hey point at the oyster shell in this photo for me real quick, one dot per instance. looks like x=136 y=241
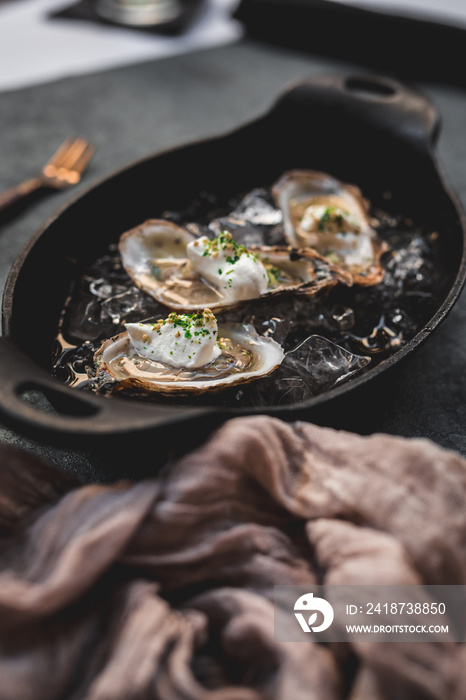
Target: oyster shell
x=154 y=256
x=331 y=217
x=245 y=357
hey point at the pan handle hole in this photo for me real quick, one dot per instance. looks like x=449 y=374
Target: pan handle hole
x=49 y=400
x=369 y=88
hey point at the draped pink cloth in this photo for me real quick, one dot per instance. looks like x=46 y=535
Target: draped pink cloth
x=164 y=588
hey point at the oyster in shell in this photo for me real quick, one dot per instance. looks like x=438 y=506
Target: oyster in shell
x=332 y=218
x=235 y=354
x=185 y=272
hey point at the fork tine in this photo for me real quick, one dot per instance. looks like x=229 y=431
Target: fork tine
x=81 y=162
x=58 y=156
x=74 y=152
x=68 y=163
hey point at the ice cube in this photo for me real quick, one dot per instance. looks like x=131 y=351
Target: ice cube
x=314 y=366
x=256 y=208
x=131 y=305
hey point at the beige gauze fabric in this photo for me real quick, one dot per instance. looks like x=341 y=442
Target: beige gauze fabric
x=164 y=589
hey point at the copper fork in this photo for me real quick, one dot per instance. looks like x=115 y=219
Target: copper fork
x=64 y=169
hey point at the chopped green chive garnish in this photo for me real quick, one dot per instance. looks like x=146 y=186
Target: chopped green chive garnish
x=226 y=242
x=331 y=215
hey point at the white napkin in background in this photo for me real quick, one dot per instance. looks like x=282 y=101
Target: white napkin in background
x=446 y=11
x=35 y=49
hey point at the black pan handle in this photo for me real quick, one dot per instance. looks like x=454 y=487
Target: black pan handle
x=382 y=103
x=72 y=414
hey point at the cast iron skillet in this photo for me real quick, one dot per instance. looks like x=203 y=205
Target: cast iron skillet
x=371 y=131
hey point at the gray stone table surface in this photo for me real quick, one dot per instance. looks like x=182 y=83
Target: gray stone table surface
x=132 y=112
